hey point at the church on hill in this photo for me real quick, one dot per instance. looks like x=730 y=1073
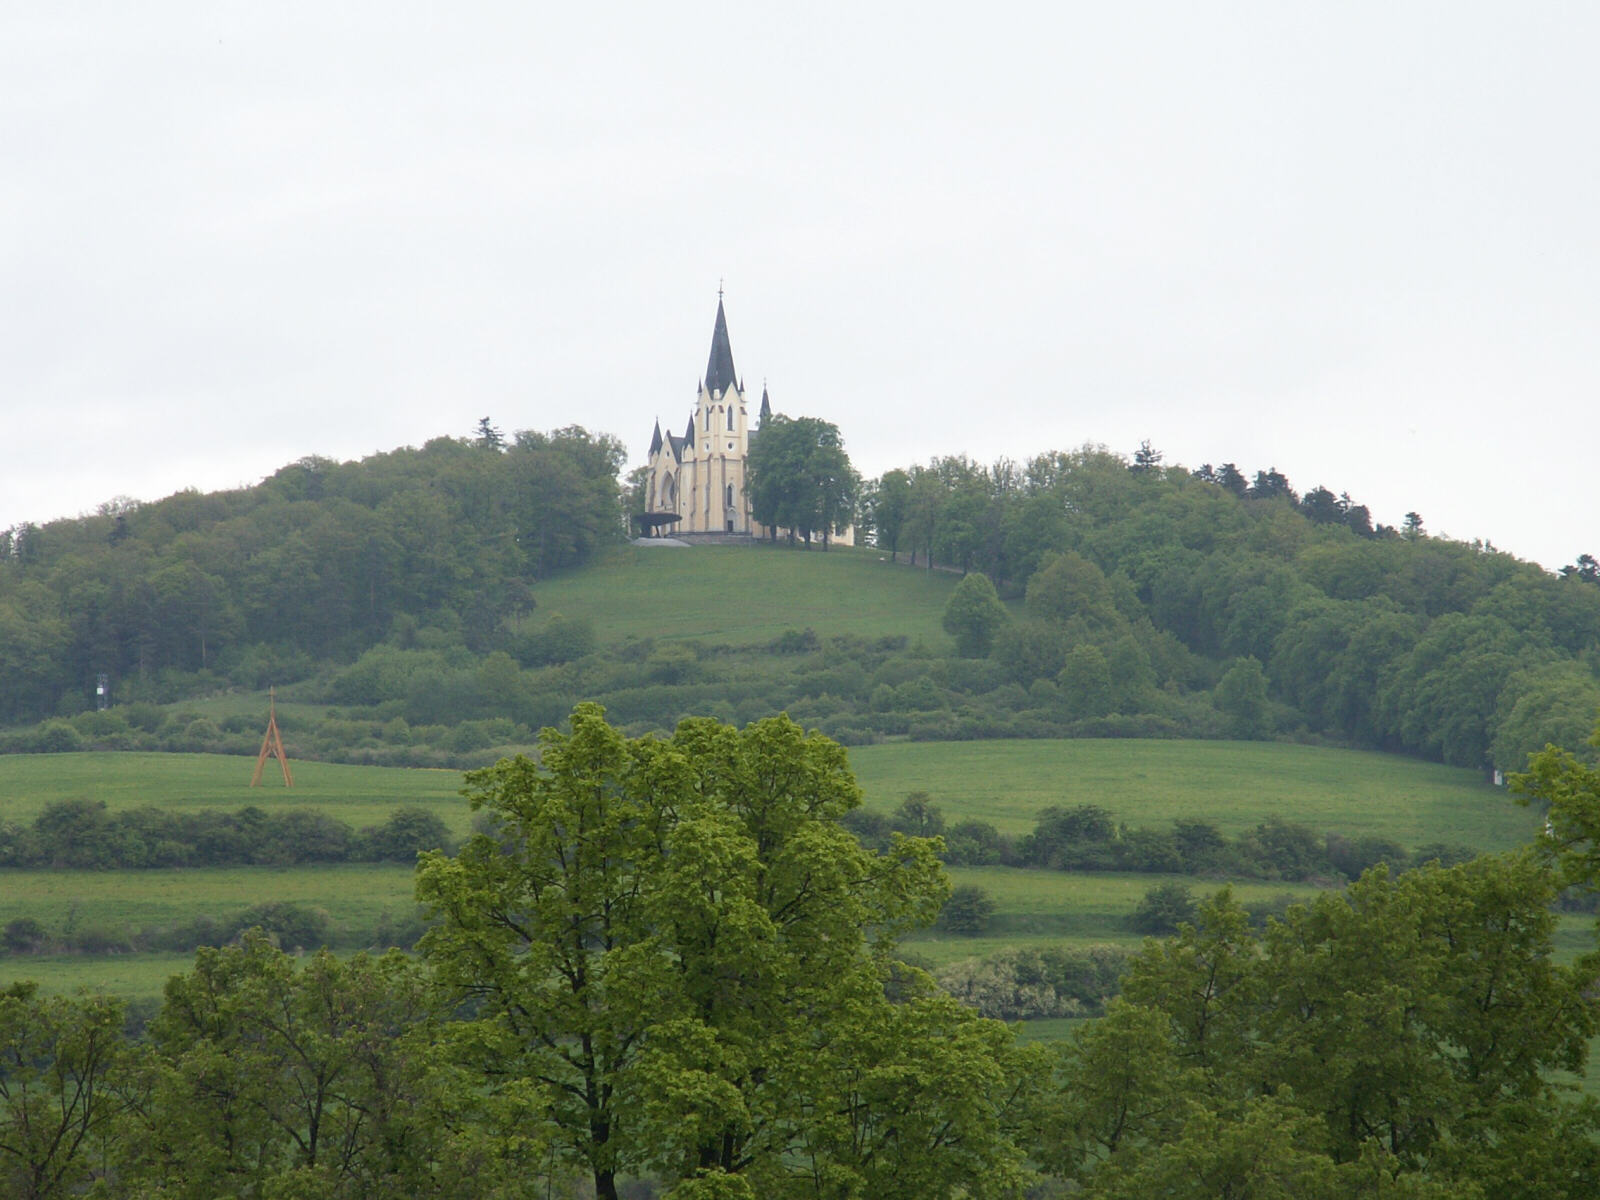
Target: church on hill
x=696 y=483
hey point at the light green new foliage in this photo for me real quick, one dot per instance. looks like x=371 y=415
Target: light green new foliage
x=669 y=943
x=319 y=1081
x=1402 y=1035
x=58 y=1102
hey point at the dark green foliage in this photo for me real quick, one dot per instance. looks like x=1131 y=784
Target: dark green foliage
x=407 y=833
x=1369 y=1035
x=1163 y=908
x=968 y=909
x=290 y=925
x=82 y=834
x=974 y=844
x=23 y=935
x=800 y=478
x=559 y=640
x=406 y=586
x=973 y=616
x=1352 y=856
x=917 y=816
x=1241 y=696
x=320 y=560
x=1067 y=839
x=1087 y=838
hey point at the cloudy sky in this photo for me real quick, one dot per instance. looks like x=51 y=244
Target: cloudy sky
x=1355 y=241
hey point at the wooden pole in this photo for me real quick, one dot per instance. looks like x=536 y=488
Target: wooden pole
x=272 y=744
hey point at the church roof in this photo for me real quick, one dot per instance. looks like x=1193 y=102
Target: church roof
x=720 y=375
x=766 y=405
x=655 y=439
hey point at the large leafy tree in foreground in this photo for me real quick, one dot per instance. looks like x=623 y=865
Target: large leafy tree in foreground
x=680 y=958
x=1398 y=1039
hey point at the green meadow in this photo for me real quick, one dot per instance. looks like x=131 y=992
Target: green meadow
x=1232 y=785
x=738 y=595
x=354 y=895
x=356 y=795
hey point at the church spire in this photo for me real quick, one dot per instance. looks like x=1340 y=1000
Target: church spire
x=655 y=439
x=720 y=375
x=766 y=405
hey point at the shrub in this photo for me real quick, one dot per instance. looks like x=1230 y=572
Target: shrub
x=1350 y=857
x=972 y=844
x=1023 y=984
x=794 y=641
x=102 y=939
x=1163 y=909
x=24 y=935
x=55 y=737
x=561 y=640
x=292 y=926
x=406 y=833
x=1285 y=849
x=1447 y=854
x=970 y=909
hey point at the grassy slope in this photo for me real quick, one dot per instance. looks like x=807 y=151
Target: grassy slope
x=355 y=795
x=1234 y=785
x=741 y=595
x=354 y=894
x=1142 y=782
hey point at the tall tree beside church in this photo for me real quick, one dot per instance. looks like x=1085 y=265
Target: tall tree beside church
x=889 y=505
x=800 y=478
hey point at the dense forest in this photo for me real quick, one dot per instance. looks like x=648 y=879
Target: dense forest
x=315 y=564
x=1105 y=596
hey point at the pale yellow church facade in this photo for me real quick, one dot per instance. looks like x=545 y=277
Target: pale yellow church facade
x=696 y=482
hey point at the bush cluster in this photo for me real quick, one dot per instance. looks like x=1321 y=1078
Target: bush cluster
x=84 y=835
x=1087 y=837
x=1026 y=983
x=288 y=924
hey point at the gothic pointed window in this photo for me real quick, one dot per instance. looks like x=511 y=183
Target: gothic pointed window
x=730 y=416
x=730 y=495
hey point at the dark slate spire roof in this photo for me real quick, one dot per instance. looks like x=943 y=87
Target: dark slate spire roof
x=688 y=431
x=719 y=368
x=655 y=439
x=766 y=405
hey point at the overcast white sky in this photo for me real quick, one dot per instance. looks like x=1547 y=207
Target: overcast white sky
x=1355 y=241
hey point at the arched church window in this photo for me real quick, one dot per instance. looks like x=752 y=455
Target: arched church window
x=730 y=416
x=730 y=495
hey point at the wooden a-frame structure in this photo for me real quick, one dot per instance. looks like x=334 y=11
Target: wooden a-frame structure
x=272 y=744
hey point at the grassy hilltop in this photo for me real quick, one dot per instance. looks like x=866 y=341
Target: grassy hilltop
x=741 y=595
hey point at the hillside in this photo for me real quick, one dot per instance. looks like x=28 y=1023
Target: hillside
x=748 y=595
x=436 y=607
